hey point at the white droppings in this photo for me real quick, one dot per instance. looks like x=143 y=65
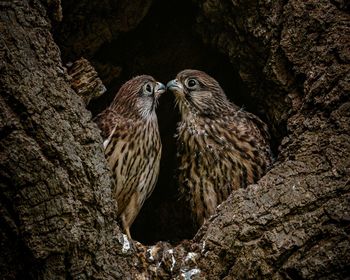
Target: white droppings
x=149 y=253
x=203 y=247
x=187 y=275
x=191 y=256
x=126 y=244
x=173 y=261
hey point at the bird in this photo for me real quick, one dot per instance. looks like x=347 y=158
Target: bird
x=220 y=146
x=132 y=144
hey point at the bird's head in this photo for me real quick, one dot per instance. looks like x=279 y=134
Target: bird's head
x=138 y=97
x=197 y=93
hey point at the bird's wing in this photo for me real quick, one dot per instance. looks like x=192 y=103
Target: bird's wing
x=260 y=125
x=112 y=125
x=248 y=127
x=107 y=122
x=258 y=132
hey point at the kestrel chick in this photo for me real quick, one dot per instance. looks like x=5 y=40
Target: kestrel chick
x=132 y=144
x=220 y=147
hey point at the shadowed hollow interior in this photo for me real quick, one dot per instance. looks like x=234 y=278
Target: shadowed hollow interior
x=164 y=43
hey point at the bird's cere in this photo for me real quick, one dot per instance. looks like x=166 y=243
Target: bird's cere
x=174 y=85
x=159 y=88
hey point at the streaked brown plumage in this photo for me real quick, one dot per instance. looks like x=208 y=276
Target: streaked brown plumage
x=132 y=144
x=220 y=146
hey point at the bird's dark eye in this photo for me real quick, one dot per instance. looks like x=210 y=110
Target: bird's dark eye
x=148 y=88
x=191 y=83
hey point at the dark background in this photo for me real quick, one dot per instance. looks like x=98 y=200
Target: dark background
x=164 y=43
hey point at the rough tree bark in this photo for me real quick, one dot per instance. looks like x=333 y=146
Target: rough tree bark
x=57 y=216
x=56 y=209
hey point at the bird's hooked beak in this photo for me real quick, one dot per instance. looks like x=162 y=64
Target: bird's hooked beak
x=159 y=89
x=175 y=86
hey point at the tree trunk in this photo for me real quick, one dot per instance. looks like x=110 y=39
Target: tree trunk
x=57 y=215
